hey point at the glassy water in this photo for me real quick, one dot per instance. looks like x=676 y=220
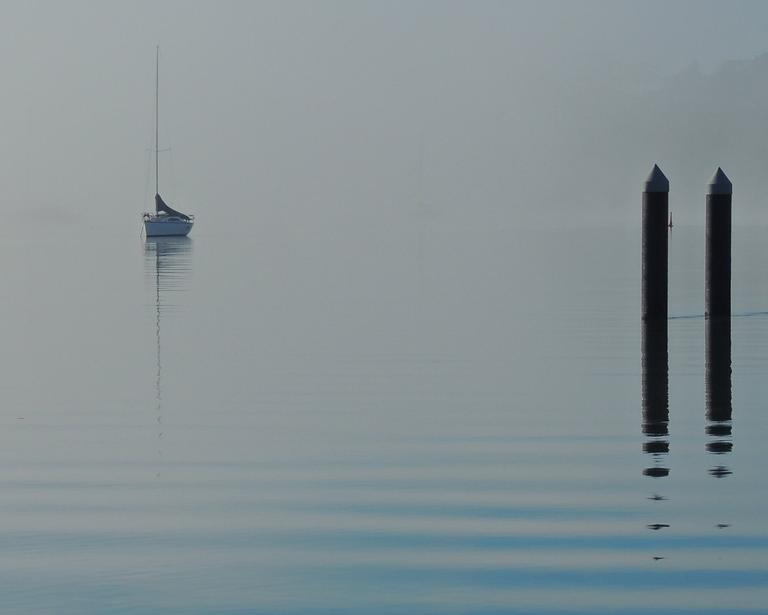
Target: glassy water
x=408 y=420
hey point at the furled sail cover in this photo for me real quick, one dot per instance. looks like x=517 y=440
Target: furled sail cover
x=160 y=205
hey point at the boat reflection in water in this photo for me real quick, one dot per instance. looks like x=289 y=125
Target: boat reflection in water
x=167 y=264
x=718 y=390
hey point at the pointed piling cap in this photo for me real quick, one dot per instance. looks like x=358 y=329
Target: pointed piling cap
x=720 y=184
x=656 y=181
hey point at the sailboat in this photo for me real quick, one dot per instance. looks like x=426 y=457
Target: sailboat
x=165 y=221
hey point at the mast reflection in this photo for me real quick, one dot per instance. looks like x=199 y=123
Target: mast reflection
x=167 y=263
x=718 y=390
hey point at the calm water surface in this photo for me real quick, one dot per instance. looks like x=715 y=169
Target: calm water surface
x=410 y=420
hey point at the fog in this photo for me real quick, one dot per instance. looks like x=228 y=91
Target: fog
x=336 y=116
x=398 y=366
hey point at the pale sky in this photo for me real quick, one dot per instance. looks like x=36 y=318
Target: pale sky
x=313 y=113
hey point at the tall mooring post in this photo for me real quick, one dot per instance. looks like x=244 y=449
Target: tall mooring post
x=717 y=301
x=655 y=246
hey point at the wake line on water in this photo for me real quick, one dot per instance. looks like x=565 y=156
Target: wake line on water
x=702 y=316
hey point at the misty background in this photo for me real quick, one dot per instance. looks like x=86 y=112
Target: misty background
x=322 y=116
x=383 y=375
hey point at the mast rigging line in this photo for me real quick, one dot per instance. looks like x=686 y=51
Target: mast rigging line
x=157 y=118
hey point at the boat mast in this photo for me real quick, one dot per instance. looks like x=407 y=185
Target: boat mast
x=157 y=115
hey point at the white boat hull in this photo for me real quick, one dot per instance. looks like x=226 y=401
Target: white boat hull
x=167 y=228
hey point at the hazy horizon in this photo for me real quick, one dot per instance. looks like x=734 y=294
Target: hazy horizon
x=350 y=114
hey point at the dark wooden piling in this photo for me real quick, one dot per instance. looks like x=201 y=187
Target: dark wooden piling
x=717 y=308
x=655 y=246
x=717 y=302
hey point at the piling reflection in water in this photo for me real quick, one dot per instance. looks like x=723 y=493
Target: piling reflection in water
x=167 y=263
x=655 y=395
x=718 y=390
